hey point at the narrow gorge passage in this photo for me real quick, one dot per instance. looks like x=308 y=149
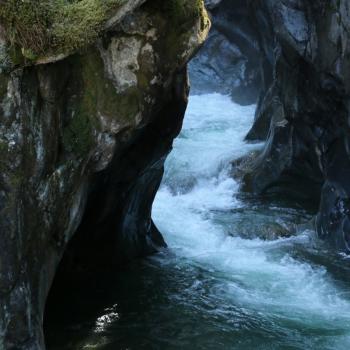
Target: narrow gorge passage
x=227 y=281
x=122 y=230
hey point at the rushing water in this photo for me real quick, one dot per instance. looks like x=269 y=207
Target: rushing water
x=219 y=285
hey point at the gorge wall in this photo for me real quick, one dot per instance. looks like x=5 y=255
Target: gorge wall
x=86 y=121
x=230 y=60
x=303 y=108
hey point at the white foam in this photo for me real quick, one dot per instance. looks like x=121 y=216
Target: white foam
x=255 y=273
x=213 y=134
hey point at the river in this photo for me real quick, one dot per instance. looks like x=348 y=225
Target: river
x=225 y=281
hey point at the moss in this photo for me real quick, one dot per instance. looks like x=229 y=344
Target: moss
x=29 y=54
x=42 y=27
x=99 y=97
x=174 y=39
x=49 y=27
x=79 y=23
x=100 y=94
x=3 y=85
x=26 y=23
x=77 y=136
x=17 y=179
x=3 y=149
x=180 y=11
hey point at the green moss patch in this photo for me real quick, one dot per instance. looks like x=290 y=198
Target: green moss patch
x=3 y=86
x=42 y=27
x=174 y=39
x=99 y=97
x=77 y=136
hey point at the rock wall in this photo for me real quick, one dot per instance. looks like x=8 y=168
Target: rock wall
x=84 y=132
x=306 y=106
x=83 y=139
x=230 y=60
x=303 y=110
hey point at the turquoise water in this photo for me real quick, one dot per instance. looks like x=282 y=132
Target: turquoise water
x=239 y=273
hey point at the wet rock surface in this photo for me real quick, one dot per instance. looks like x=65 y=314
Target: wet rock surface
x=229 y=61
x=295 y=56
x=84 y=135
x=304 y=110
x=83 y=140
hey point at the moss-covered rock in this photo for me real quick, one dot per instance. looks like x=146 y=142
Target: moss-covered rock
x=53 y=26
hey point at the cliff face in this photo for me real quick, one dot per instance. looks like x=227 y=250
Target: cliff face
x=306 y=108
x=303 y=109
x=229 y=61
x=83 y=138
x=87 y=119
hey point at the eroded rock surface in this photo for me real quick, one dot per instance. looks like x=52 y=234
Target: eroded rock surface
x=304 y=111
x=296 y=55
x=230 y=60
x=83 y=139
